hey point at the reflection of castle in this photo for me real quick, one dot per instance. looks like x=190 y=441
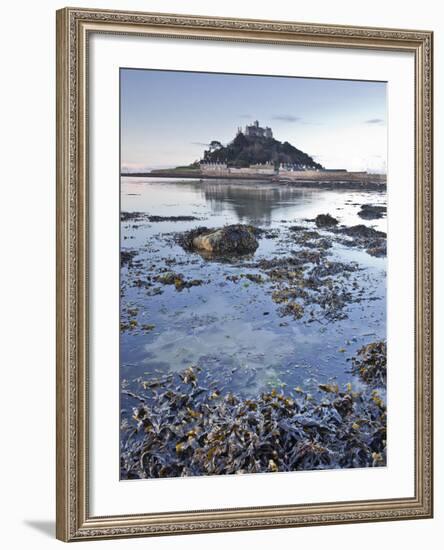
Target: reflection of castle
x=254 y=130
x=254 y=203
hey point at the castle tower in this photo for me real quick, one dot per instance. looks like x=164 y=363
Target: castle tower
x=254 y=130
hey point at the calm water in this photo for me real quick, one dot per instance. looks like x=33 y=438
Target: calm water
x=234 y=331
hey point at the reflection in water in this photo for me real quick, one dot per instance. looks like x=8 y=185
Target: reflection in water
x=252 y=203
x=244 y=201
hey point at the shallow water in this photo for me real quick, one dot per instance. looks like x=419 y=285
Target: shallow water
x=235 y=331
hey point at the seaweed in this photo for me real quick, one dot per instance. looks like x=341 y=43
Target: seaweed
x=370 y=363
x=179 y=427
x=127 y=256
x=178 y=280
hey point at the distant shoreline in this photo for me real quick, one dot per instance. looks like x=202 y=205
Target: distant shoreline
x=321 y=179
x=196 y=176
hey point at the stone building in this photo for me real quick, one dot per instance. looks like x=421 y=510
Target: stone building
x=254 y=130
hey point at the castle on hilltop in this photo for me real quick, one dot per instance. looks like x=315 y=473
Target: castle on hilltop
x=255 y=152
x=254 y=130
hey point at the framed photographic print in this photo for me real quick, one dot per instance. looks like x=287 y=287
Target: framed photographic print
x=244 y=274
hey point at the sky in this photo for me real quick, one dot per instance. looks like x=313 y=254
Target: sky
x=169 y=117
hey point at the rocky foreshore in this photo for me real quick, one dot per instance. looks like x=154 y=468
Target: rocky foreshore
x=307 y=284
x=213 y=417
x=182 y=427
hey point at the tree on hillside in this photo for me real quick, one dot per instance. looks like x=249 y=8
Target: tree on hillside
x=244 y=151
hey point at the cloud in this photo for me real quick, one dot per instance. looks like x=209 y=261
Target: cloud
x=245 y=115
x=374 y=121
x=286 y=118
x=199 y=143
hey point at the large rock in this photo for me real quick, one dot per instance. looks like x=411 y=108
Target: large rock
x=363 y=232
x=372 y=212
x=231 y=239
x=325 y=220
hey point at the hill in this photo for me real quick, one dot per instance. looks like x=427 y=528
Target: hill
x=245 y=151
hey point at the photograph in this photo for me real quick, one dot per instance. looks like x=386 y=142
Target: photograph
x=253 y=285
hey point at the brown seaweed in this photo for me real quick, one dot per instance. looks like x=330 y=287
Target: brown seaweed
x=181 y=428
x=370 y=363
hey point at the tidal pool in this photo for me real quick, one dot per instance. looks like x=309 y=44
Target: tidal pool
x=229 y=325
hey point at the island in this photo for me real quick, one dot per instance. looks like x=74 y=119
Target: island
x=254 y=154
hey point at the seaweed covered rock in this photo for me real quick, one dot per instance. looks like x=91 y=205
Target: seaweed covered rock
x=372 y=212
x=371 y=363
x=372 y=240
x=230 y=239
x=363 y=232
x=325 y=220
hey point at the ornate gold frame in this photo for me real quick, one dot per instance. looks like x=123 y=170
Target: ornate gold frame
x=73 y=519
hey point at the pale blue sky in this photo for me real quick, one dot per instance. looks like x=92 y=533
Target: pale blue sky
x=168 y=117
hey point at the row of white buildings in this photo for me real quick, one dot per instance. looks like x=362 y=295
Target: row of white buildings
x=267 y=168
